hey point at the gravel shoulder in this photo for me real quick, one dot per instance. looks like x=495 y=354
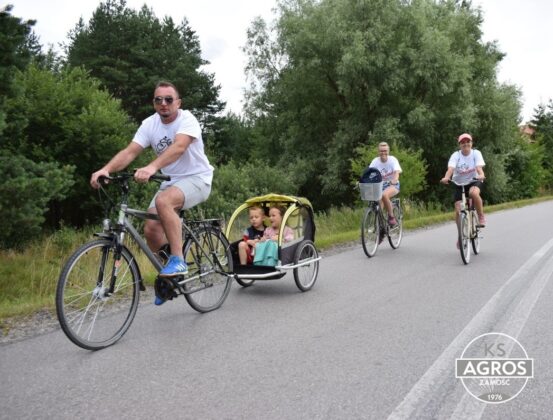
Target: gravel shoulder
x=44 y=321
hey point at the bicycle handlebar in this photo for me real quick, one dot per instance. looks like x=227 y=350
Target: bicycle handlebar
x=123 y=176
x=464 y=185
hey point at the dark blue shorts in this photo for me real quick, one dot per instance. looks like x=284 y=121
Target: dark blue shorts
x=458 y=191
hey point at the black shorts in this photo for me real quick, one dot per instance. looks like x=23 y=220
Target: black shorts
x=458 y=191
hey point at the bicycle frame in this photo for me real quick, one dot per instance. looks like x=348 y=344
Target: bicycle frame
x=467 y=212
x=382 y=213
x=124 y=225
x=467 y=208
x=371 y=238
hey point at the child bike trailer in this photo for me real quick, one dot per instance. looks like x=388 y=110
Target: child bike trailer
x=294 y=250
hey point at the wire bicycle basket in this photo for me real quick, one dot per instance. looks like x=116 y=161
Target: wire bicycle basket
x=370 y=185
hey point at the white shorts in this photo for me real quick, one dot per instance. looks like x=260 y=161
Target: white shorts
x=193 y=187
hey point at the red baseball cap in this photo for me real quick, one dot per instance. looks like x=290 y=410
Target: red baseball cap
x=464 y=136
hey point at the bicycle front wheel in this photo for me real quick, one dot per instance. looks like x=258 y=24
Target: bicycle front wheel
x=464 y=238
x=395 y=233
x=475 y=240
x=97 y=295
x=370 y=232
x=209 y=262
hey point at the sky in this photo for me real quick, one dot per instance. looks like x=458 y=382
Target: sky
x=522 y=28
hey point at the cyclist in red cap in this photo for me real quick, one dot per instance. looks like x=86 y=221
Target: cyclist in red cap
x=466 y=165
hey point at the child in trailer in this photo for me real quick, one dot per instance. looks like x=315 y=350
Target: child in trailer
x=271 y=233
x=252 y=235
x=267 y=249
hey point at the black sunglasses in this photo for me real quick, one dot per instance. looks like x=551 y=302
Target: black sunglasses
x=158 y=100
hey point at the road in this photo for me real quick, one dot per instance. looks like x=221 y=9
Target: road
x=375 y=338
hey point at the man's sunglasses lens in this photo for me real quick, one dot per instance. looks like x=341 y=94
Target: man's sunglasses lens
x=158 y=100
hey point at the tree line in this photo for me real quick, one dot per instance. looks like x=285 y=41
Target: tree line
x=328 y=80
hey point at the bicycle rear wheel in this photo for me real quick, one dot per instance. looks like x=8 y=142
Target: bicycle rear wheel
x=370 y=232
x=395 y=233
x=464 y=230
x=475 y=241
x=91 y=316
x=209 y=261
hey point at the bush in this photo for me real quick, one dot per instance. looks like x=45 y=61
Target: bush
x=26 y=189
x=65 y=118
x=412 y=177
x=233 y=184
x=525 y=170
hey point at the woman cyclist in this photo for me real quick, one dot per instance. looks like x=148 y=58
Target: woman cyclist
x=466 y=165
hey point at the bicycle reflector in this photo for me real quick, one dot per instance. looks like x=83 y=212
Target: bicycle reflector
x=370 y=176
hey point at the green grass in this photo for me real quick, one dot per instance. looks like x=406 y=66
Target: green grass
x=28 y=279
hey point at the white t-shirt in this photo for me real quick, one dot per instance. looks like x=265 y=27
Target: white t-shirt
x=465 y=166
x=387 y=168
x=160 y=136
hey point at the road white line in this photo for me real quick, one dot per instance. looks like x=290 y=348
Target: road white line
x=440 y=371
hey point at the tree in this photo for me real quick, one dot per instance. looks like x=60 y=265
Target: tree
x=230 y=138
x=17 y=46
x=332 y=75
x=542 y=122
x=129 y=52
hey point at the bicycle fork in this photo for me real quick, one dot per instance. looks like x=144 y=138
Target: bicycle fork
x=105 y=289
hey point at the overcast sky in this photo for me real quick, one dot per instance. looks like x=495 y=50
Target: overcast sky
x=523 y=29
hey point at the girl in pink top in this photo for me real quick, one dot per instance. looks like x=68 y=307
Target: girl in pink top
x=271 y=233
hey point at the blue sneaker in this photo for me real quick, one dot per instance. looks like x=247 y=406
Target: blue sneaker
x=159 y=301
x=175 y=267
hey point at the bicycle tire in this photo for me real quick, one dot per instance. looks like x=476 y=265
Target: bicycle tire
x=464 y=230
x=212 y=285
x=88 y=316
x=370 y=232
x=306 y=275
x=475 y=240
x=395 y=233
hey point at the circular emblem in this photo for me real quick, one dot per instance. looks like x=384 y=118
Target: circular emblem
x=494 y=368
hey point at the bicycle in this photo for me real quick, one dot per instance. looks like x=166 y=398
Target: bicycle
x=375 y=222
x=98 y=289
x=468 y=227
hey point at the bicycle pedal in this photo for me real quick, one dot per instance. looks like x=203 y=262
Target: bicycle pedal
x=165 y=288
x=141 y=286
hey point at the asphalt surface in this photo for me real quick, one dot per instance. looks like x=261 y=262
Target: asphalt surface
x=374 y=339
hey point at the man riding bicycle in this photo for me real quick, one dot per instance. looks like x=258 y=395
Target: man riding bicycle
x=175 y=135
x=466 y=165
